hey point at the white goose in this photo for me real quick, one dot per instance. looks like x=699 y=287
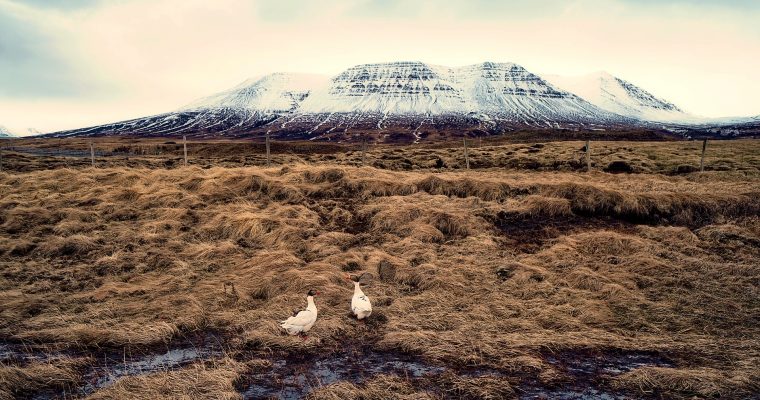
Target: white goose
x=304 y=320
x=360 y=304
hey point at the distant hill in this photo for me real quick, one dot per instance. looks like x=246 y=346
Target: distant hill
x=5 y=133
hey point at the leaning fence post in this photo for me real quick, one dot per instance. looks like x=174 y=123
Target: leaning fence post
x=267 y=143
x=184 y=146
x=702 y=160
x=92 y=153
x=588 y=155
x=466 y=156
x=1 y=157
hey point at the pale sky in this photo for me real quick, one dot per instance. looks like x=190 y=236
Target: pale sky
x=75 y=63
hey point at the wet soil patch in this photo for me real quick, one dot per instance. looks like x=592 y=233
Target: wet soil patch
x=588 y=374
x=111 y=367
x=22 y=354
x=591 y=364
x=112 y=364
x=295 y=377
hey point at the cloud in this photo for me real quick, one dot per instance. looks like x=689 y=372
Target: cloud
x=34 y=60
x=730 y=4
x=64 y=4
x=29 y=66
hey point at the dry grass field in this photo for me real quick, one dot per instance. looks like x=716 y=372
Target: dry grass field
x=520 y=278
x=663 y=157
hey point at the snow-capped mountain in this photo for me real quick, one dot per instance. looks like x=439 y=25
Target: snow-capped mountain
x=408 y=89
x=620 y=97
x=5 y=133
x=405 y=101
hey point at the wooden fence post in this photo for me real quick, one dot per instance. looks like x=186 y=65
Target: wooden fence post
x=1 y=157
x=92 y=153
x=184 y=147
x=267 y=140
x=364 y=150
x=702 y=160
x=588 y=156
x=466 y=155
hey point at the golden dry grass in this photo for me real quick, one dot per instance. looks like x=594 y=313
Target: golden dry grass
x=480 y=268
x=58 y=374
x=665 y=157
x=197 y=381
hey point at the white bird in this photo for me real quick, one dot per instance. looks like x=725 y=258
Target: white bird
x=360 y=304
x=304 y=320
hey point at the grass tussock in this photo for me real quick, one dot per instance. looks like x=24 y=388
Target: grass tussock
x=691 y=383
x=213 y=380
x=19 y=382
x=379 y=388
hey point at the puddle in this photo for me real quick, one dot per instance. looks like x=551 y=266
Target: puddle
x=22 y=354
x=294 y=379
x=111 y=368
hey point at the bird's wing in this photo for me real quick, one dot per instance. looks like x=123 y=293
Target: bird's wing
x=303 y=318
x=361 y=303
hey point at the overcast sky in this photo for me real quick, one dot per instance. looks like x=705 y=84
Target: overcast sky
x=73 y=63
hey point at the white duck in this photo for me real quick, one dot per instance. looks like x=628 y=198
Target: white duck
x=303 y=320
x=360 y=304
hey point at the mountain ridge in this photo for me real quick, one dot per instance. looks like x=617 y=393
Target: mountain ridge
x=409 y=100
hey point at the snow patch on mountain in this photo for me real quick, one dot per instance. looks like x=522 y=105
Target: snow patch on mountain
x=621 y=97
x=279 y=92
x=504 y=90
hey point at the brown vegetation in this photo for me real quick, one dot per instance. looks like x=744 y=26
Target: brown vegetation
x=500 y=152
x=203 y=380
x=479 y=269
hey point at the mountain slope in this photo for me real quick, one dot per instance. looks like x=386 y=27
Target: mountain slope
x=618 y=96
x=279 y=92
